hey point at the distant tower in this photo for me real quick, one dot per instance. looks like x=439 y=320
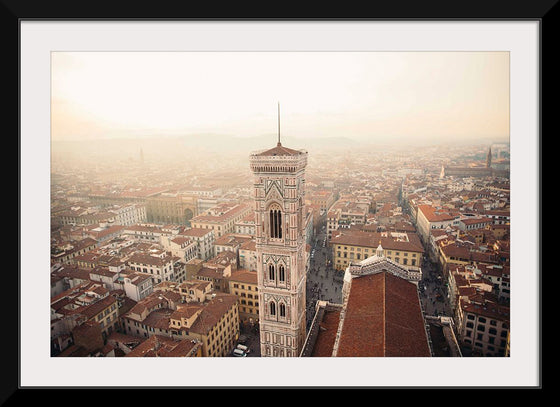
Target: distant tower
x=489 y=158
x=279 y=182
x=141 y=156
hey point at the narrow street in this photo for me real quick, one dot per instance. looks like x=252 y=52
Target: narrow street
x=433 y=291
x=323 y=282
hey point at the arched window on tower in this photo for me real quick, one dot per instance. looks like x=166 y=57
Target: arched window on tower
x=272 y=308
x=271 y=272
x=275 y=221
x=281 y=273
x=282 y=309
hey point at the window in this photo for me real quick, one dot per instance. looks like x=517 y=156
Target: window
x=271 y=273
x=281 y=273
x=275 y=222
x=272 y=308
x=282 y=310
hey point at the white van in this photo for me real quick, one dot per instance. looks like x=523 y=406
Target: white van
x=238 y=352
x=243 y=348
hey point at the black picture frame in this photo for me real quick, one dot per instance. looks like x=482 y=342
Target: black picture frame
x=15 y=11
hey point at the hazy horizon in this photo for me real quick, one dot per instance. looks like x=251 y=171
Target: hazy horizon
x=423 y=97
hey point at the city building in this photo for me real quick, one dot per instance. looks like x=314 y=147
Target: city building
x=230 y=242
x=429 y=217
x=483 y=325
x=170 y=207
x=204 y=239
x=180 y=246
x=159 y=266
x=246 y=226
x=248 y=255
x=279 y=185
x=323 y=198
x=214 y=323
x=222 y=218
x=66 y=252
x=163 y=346
x=244 y=284
x=350 y=245
x=88 y=303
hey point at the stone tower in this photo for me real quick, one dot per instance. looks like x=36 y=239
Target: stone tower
x=279 y=182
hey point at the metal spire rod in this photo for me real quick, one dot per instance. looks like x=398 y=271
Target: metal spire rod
x=278 y=123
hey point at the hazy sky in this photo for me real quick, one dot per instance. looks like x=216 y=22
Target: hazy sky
x=321 y=94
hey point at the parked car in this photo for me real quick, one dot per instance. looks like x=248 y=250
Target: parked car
x=239 y=353
x=242 y=348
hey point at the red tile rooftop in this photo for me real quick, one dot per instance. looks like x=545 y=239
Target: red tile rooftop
x=383 y=318
x=436 y=215
x=244 y=276
x=328 y=327
x=196 y=232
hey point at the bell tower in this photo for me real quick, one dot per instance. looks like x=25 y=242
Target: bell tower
x=279 y=185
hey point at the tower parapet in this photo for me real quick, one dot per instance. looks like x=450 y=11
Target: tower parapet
x=278 y=159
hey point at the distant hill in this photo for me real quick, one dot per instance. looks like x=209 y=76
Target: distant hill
x=218 y=143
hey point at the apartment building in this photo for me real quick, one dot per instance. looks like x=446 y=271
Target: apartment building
x=350 y=245
x=243 y=283
x=246 y=226
x=186 y=248
x=87 y=302
x=204 y=239
x=230 y=242
x=248 y=256
x=66 y=252
x=222 y=218
x=429 y=217
x=214 y=323
x=483 y=326
x=160 y=266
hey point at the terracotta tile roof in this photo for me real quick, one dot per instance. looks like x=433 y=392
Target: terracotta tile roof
x=373 y=239
x=92 y=310
x=383 y=318
x=250 y=245
x=280 y=150
x=328 y=327
x=141 y=258
x=196 y=232
x=163 y=346
x=434 y=215
x=244 y=276
x=212 y=313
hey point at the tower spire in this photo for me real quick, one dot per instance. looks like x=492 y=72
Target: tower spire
x=279 y=144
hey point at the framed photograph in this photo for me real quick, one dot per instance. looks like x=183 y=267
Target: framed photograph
x=301 y=83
